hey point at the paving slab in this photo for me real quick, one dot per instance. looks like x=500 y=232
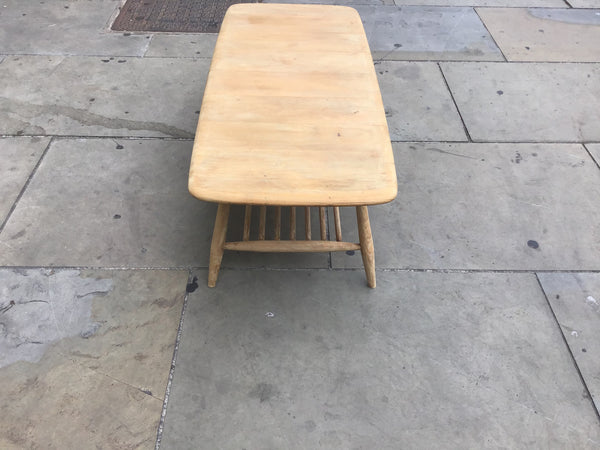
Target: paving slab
x=19 y=156
x=486 y=206
x=101 y=96
x=86 y=355
x=41 y=28
x=575 y=299
x=594 y=150
x=426 y=360
x=536 y=34
x=417 y=103
x=539 y=102
x=182 y=45
x=119 y=203
x=583 y=3
x=501 y=3
x=427 y=33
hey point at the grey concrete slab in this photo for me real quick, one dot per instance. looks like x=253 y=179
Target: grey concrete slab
x=501 y=3
x=486 y=206
x=70 y=27
x=575 y=300
x=417 y=103
x=101 y=96
x=583 y=3
x=427 y=33
x=119 y=203
x=19 y=156
x=536 y=34
x=426 y=360
x=182 y=45
x=594 y=150
x=539 y=102
x=86 y=355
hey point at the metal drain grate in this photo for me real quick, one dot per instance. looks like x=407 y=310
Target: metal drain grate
x=183 y=16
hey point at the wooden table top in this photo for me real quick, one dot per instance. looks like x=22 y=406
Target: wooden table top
x=292 y=112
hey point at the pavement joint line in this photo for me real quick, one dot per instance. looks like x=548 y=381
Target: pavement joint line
x=183 y=139
x=430 y=61
x=308 y=269
x=515 y=63
x=396 y=141
x=72 y=55
x=490 y=33
x=171 y=138
x=526 y=142
x=466 y=130
x=26 y=185
x=114 y=269
x=573 y=360
x=591 y=156
x=402 y=270
x=74 y=136
x=149 y=41
x=163 y=414
x=517 y=7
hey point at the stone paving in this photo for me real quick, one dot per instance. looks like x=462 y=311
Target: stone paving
x=483 y=330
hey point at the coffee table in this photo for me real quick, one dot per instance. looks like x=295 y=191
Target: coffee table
x=292 y=117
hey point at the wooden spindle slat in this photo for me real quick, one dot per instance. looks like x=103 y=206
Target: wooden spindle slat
x=291 y=246
x=323 y=223
x=277 y=223
x=338 y=223
x=307 y=230
x=293 y=223
x=247 y=221
x=262 y=225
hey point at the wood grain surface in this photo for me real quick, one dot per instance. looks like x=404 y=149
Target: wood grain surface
x=292 y=112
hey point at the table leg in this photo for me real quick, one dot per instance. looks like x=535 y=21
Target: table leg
x=366 y=244
x=218 y=242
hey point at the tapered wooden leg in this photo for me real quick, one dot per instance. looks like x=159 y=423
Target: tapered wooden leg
x=218 y=242
x=366 y=244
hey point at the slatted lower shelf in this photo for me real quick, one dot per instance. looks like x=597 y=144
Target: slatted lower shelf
x=292 y=245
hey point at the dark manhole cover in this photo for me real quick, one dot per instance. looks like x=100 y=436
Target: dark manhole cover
x=183 y=16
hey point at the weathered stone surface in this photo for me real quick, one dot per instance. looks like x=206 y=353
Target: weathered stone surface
x=72 y=27
x=417 y=103
x=182 y=45
x=583 y=3
x=534 y=102
x=86 y=355
x=575 y=299
x=320 y=360
x=101 y=96
x=545 y=34
x=19 y=157
x=427 y=33
x=120 y=203
x=486 y=206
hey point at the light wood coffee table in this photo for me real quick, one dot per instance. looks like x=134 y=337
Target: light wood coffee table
x=292 y=117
